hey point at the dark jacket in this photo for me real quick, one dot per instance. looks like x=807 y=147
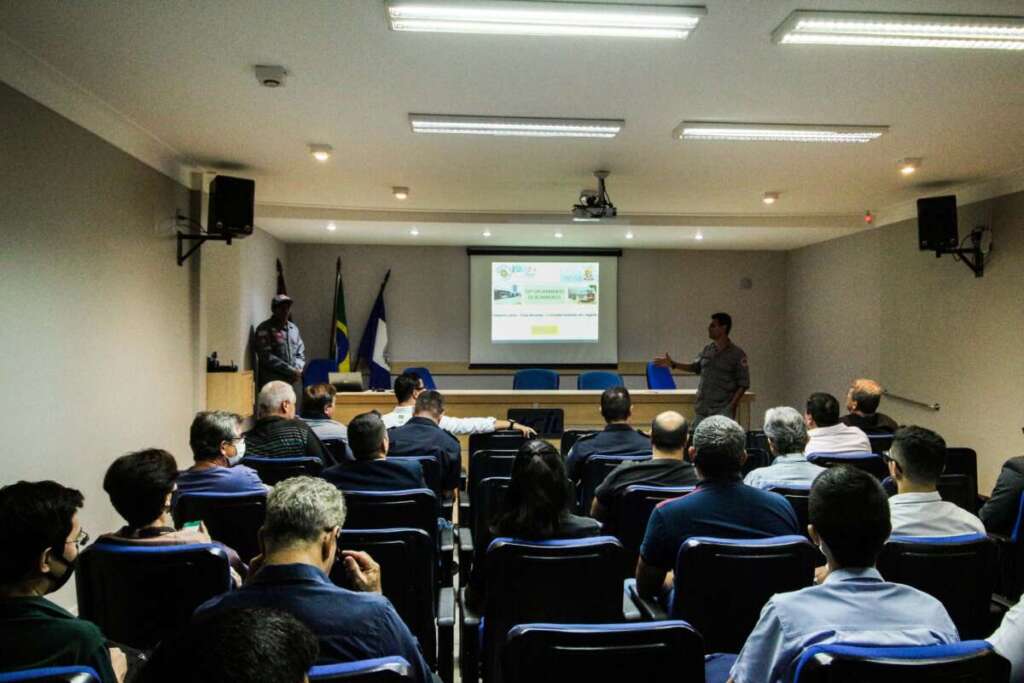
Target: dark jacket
x=421 y=434
x=376 y=475
x=875 y=423
x=615 y=439
x=1000 y=512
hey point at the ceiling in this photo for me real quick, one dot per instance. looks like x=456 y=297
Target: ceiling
x=181 y=72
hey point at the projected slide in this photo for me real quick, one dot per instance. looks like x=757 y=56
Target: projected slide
x=539 y=302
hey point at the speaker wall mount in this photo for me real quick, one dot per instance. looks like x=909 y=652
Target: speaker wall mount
x=196 y=238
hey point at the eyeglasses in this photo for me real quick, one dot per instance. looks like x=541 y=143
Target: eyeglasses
x=81 y=539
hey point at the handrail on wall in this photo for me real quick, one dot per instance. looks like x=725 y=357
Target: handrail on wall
x=922 y=404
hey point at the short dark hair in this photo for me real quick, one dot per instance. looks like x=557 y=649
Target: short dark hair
x=823 y=409
x=406 y=385
x=666 y=439
x=211 y=428
x=850 y=511
x=538 y=495
x=366 y=434
x=615 y=404
x=430 y=401
x=317 y=397
x=920 y=453
x=723 y=319
x=138 y=484
x=720 y=445
x=259 y=645
x=34 y=516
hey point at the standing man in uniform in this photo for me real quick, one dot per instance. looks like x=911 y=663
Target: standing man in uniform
x=722 y=366
x=281 y=351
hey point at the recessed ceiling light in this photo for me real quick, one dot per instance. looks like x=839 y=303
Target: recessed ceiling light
x=321 y=152
x=523 y=126
x=414 y=231
x=699 y=236
x=400 y=192
x=909 y=165
x=770 y=197
x=901 y=30
x=544 y=18
x=487 y=233
x=776 y=132
x=331 y=227
x=558 y=235
x=629 y=235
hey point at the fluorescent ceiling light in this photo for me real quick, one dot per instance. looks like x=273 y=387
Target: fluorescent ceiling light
x=901 y=30
x=544 y=18
x=776 y=132
x=516 y=126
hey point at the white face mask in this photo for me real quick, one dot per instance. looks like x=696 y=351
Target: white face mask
x=239 y=453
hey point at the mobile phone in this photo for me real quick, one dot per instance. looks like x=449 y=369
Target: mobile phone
x=192 y=526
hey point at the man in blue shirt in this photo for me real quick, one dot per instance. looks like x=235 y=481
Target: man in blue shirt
x=849 y=521
x=617 y=437
x=217 y=447
x=300 y=544
x=787 y=436
x=372 y=469
x=423 y=434
x=721 y=506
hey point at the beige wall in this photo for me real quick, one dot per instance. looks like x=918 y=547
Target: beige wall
x=872 y=304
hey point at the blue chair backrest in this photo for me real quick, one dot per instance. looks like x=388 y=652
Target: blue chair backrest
x=722 y=584
x=872 y=463
x=535 y=379
x=424 y=374
x=959 y=571
x=54 y=674
x=598 y=380
x=959 y=490
x=430 y=460
x=653 y=652
x=408 y=560
x=274 y=470
x=756 y=457
x=318 y=370
x=757 y=439
x=627 y=520
x=489 y=504
x=964 y=461
x=1011 y=570
x=880 y=443
x=381 y=670
x=595 y=469
x=505 y=440
x=659 y=377
x=414 y=508
x=798 y=496
x=970 y=661
x=337 y=449
x=140 y=594
x=234 y=519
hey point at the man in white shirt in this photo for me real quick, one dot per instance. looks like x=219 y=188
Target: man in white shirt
x=1008 y=640
x=787 y=436
x=409 y=385
x=916 y=460
x=825 y=433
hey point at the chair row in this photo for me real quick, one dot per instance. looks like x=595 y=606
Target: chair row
x=541 y=379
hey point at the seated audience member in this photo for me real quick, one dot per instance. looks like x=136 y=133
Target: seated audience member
x=999 y=513
x=849 y=521
x=722 y=506
x=536 y=508
x=300 y=545
x=372 y=470
x=862 y=403
x=916 y=460
x=423 y=434
x=277 y=433
x=218 y=446
x=141 y=486
x=666 y=468
x=237 y=646
x=409 y=385
x=41 y=536
x=787 y=437
x=1008 y=641
x=618 y=435
x=826 y=434
x=318 y=413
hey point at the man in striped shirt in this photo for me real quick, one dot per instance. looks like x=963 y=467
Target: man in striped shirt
x=277 y=434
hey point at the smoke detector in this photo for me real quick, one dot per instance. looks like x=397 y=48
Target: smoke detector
x=270 y=76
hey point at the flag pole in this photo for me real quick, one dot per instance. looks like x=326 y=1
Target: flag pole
x=334 y=315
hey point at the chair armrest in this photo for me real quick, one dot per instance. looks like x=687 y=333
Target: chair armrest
x=466 y=551
x=649 y=609
x=446 y=541
x=630 y=610
x=446 y=635
x=469 y=655
x=463 y=478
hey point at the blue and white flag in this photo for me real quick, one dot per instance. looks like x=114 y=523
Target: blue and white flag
x=373 y=347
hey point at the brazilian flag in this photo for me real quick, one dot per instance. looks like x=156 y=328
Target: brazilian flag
x=339 y=340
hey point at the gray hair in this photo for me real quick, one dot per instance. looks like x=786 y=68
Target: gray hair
x=720 y=444
x=786 y=428
x=209 y=430
x=299 y=509
x=272 y=395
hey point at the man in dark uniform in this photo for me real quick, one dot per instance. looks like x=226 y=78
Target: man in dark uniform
x=372 y=470
x=617 y=437
x=281 y=352
x=423 y=433
x=722 y=366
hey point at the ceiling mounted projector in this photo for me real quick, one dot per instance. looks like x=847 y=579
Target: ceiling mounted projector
x=595 y=204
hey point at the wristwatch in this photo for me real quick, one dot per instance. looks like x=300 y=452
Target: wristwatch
x=511 y=423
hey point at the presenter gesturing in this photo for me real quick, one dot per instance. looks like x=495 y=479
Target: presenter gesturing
x=722 y=366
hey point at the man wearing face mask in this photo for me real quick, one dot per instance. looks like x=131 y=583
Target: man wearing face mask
x=41 y=536
x=217 y=447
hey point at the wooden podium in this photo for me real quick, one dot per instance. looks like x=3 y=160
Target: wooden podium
x=231 y=391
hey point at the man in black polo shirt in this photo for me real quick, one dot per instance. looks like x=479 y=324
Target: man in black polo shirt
x=423 y=434
x=617 y=437
x=372 y=470
x=666 y=468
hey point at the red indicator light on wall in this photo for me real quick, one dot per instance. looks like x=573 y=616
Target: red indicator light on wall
x=869 y=217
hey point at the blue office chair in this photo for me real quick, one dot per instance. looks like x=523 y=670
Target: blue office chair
x=959 y=571
x=964 y=461
x=318 y=370
x=1011 y=558
x=535 y=379
x=756 y=457
x=598 y=380
x=139 y=595
x=595 y=469
x=54 y=674
x=659 y=377
x=872 y=463
x=381 y=670
x=424 y=374
x=630 y=512
x=970 y=661
x=274 y=470
x=880 y=443
x=654 y=652
x=798 y=496
x=483 y=464
x=234 y=519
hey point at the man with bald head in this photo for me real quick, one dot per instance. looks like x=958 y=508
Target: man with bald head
x=666 y=468
x=862 y=401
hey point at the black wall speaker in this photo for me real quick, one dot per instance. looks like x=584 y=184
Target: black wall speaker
x=231 y=206
x=936 y=223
